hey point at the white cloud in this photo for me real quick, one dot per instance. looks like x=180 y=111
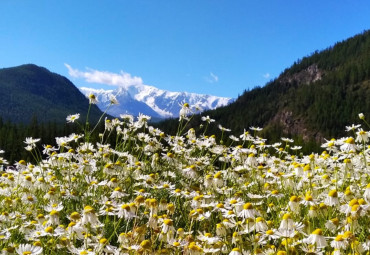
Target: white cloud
x=266 y=75
x=103 y=77
x=212 y=78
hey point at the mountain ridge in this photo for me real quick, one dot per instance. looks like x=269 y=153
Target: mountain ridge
x=28 y=91
x=152 y=101
x=312 y=100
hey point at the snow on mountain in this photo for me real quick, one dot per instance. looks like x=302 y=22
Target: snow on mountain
x=135 y=99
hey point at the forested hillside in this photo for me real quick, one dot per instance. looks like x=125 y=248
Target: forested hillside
x=29 y=91
x=313 y=99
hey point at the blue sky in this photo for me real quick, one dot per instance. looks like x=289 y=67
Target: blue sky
x=218 y=47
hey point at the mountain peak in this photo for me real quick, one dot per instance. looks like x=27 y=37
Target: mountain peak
x=149 y=100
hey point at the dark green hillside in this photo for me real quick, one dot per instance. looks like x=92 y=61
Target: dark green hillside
x=313 y=99
x=29 y=91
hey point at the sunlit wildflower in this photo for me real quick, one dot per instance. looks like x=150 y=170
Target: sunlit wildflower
x=256 y=129
x=184 y=111
x=28 y=249
x=366 y=194
x=349 y=145
x=339 y=242
x=288 y=227
x=220 y=230
x=248 y=211
x=308 y=200
x=332 y=198
x=235 y=251
x=223 y=129
x=92 y=98
x=261 y=224
x=73 y=117
x=125 y=211
x=366 y=244
x=31 y=143
x=113 y=100
x=269 y=235
x=362 y=136
x=293 y=204
x=236 y=238
x=208 y=238
x=193 y=249
x=353 y=127
x=217 y=180
x=207 y=119
x=89 y=216
x=316 y=238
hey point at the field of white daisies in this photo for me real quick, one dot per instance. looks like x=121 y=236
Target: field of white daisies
x=189 y=194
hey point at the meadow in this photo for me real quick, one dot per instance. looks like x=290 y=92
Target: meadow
x=189 y=193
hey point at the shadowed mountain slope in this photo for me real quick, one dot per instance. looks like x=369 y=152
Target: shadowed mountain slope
x=313 y=99
x=30 y=91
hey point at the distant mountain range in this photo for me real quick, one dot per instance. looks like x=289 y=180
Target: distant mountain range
x=314 y=99
x=29 y=91
x=149 y=100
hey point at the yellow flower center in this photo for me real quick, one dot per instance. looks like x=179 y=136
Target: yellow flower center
x=294 y=199
x=49 y=230
x=347 y=161
x=220 y=206
x=168 y=222
x=89 y=209
x=217 y=175
x=286 y=216
x=347 y=234
x=103 y=240
x=355 y=208
x=362 y=201
x=233 y=201
x=275 y=192
x=281 y=253
x=333 y=193
x=125 y=207
x=269 y=232
x=353 y=202
x=248 y=206
x=308 y=198
x=318 y=231
x=350 y=140
x=75 y=216
x=54 y=212
x=146 y=244
x=259 y=219
x=339 y=238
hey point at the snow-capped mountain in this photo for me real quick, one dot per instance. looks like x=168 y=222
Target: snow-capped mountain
x=149 y=100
